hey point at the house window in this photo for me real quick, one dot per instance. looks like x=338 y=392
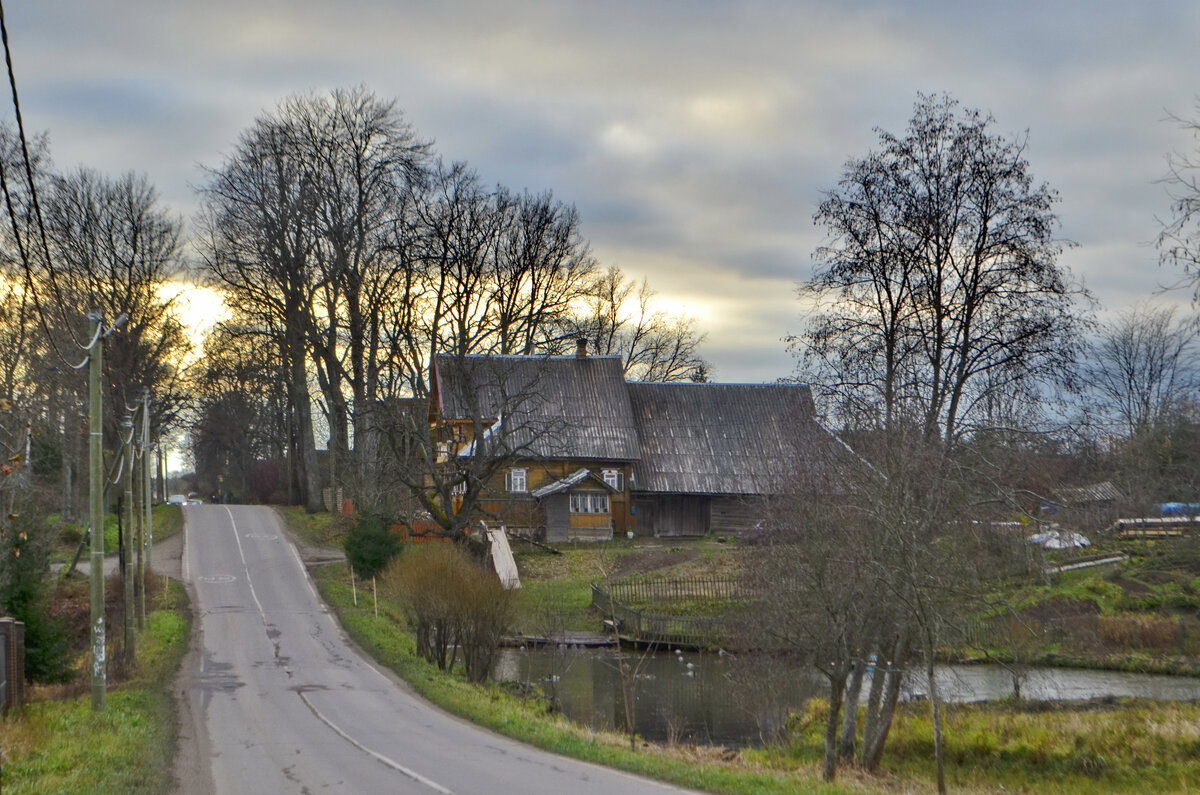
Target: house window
x=459 y=489
x=589 y=502
x=517 y=480
x=615 y=478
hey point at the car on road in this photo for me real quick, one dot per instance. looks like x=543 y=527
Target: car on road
x=177 y=499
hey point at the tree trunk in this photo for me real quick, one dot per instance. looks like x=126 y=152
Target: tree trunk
x=938 y=755
x=367 y=489
x=871 y=714
x=850 y=710
x=306 y=460
x=837 y=686
x=873 y=745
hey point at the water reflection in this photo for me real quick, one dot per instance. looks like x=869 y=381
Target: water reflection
x=686 y=697
x=735 y=701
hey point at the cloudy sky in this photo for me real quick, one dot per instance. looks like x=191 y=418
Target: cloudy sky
x=694 y=136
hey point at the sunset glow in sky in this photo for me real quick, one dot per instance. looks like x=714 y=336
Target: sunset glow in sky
x=694 y=136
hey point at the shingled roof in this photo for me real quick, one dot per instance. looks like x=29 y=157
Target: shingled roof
x=719 y=438
x=554 y=407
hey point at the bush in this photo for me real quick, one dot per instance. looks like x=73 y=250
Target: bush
x=22 y=575
x=453 y=605
x=370 y=545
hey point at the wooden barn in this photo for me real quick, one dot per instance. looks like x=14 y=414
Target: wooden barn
x=711 y=453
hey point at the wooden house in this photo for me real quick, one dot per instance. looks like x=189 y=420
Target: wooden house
x=589 y=455
x=568 y=439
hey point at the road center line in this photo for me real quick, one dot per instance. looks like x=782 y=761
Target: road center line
x=393 y=764
x=245 y=566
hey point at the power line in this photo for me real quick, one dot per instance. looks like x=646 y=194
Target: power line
x=26 y=265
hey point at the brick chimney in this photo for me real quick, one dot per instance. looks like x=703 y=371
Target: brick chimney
x=581 y=348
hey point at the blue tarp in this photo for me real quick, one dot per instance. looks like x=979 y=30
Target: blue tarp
x=1179 y=509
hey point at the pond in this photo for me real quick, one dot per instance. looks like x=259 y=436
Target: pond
x=737 y=701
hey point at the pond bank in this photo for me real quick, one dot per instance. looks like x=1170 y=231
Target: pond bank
x=744 y=700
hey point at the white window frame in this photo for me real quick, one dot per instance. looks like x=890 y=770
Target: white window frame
x=590 y=502
x=614 y=478
x=516 y=480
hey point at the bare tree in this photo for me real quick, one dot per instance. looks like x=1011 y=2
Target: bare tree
x=654 y=346
x=482 y=414
x=543 y=266
x=115 y=247
x=1179 y=239
x=239 y=434
x=1140 y=385
x=257 y=247
x=363 y=159
x=1140 y=369
x=940 y=306
x=939 y=283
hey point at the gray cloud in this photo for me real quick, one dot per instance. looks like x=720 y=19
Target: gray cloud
x=695 y=137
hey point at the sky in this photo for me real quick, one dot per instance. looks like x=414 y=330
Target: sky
x=695 y=137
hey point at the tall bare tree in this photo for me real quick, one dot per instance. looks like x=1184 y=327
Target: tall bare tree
x=940 y=304
x=543 y=266
x=1179 y=239
x=239 y=434
x=114 y=246
x=939 y=283
x=258 y=243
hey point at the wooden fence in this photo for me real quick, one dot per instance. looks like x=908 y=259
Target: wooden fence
x=642 y=590
x=639 y=627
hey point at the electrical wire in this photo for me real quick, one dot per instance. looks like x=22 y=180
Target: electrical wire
x=27 y=267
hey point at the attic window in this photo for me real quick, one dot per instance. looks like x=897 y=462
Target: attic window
x=517 y=481
x=615 y=478
x=589 y=502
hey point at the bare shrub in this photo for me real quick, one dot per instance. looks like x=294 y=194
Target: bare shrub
x=452 y=604
x=1141 y=632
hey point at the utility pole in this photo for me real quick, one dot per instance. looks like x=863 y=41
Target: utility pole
x=147 y=535
x=127 y=535
x=96 y=513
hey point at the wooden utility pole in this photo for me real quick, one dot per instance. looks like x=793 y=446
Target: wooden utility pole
x=127 y=537
x=96 y=510
x=146 y=537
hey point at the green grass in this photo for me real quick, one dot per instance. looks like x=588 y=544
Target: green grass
x=1130 y=746
x=317 y=529
x=167 y=520
x=64 y=747
x=545 y=606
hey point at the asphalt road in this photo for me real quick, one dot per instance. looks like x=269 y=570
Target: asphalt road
x=274 y=699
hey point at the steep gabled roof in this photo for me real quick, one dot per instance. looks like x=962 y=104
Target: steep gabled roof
x=1092 y=493
x=555 y=407
x=720 y=438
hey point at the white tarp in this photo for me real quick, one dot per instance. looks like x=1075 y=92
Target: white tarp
x=1059 y=539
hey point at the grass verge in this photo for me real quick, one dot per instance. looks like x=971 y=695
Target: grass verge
x=62 y=746
x=321 y=529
